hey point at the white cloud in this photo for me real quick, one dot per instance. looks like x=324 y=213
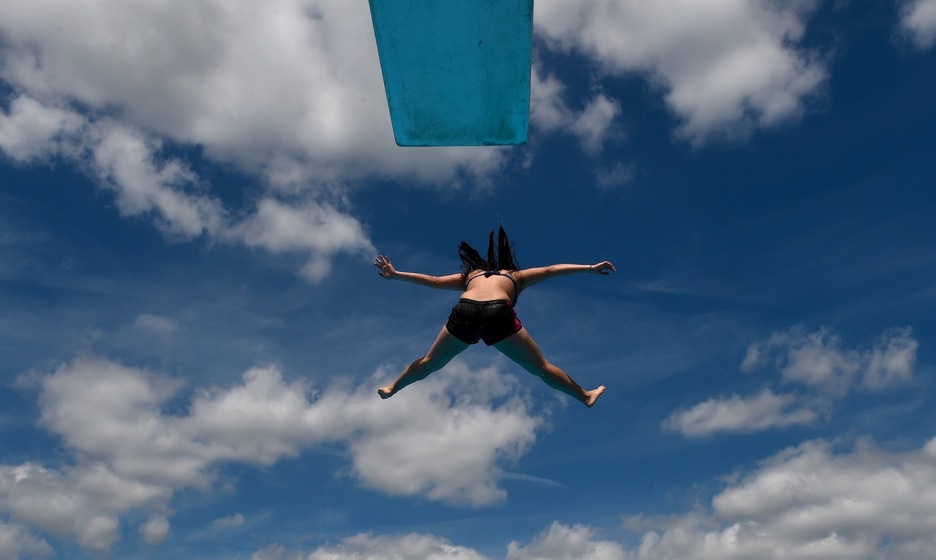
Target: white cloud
x=16 y=542
x=429 y=443
x=228 y=522
x=156 y=324
x=550 y=112
x=443 y=439
x=616 y=175
x=275 y=552
x=810 y=502
x=30 y=131
x=125 y=162
x=918 y=21
x=155 y=530
x=593 y=124
x=561 y=542
x=890 y=363
x=548 y=109
x=167 y=191
x=80 y=502
x=727 y=67
x=406 y=547
x=111 y=413
x=739 y=414
x=119 y=158
x=311 y=227
x=818 y=360
x=366 y=546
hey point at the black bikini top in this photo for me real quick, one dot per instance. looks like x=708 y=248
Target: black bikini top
x=489 y=273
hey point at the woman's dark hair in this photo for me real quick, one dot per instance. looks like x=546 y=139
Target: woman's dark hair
x=499 y=256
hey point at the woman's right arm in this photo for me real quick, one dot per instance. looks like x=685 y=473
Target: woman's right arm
x=448 y=282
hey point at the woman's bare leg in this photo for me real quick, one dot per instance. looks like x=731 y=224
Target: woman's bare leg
x=521 y=348
x=440 y=353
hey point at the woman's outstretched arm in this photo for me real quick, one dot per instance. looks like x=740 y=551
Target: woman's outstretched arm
x=531 y=276
x=449 y=282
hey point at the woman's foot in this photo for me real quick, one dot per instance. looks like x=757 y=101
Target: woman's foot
x=592 y=396
x=385 y=392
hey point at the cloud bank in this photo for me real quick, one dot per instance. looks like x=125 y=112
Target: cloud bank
x=811 y=501
x=815 y=500
x=443 y=440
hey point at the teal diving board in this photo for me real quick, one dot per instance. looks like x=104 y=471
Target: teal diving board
x=456 y=72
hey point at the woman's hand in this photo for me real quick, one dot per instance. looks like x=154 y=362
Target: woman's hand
x=386 y=267
x=604 y=268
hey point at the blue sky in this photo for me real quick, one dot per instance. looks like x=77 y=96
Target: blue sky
x=192 y=332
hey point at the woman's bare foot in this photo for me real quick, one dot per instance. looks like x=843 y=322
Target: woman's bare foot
x=385 y=392
x=593 y=396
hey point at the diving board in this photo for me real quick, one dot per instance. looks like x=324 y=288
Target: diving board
x=456 y=72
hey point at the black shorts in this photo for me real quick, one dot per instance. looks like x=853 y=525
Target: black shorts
x=490 y=321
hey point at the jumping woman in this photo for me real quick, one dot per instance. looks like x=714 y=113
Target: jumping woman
x=490 y=288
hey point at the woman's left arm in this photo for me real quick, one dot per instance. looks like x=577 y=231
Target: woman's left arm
x=531 y=276
x=448 y=282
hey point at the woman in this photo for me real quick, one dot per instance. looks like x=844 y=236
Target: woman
x=485 y=311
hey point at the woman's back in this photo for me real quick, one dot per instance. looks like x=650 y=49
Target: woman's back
x=487 y=286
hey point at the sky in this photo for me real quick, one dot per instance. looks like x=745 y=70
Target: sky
x=192 y=331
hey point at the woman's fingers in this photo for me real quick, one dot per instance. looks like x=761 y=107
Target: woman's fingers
x=383 y=263
x=603 y=268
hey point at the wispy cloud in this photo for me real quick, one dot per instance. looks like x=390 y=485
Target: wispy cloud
x=816 y=361
x=918 y=21
x=412 y=546
x=229 y=522
x=156 y=324
x=740 y=414
x=550 y=112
